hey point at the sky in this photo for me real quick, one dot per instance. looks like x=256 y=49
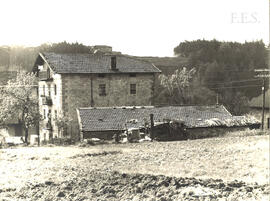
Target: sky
x=135 y=27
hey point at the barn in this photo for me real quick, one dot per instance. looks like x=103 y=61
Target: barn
x=104 y=122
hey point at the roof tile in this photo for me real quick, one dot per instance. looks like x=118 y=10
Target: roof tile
x=99 y=63
x=108 y=118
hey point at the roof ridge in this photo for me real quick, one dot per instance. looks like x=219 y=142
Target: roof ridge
x=118 y=107
x=150 y=106
x=79 y=63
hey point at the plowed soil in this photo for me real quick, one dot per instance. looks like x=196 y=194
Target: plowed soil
x=233 y=168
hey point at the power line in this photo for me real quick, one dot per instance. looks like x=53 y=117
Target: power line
x=16 y=86
x=235 y=81
x=244 y=86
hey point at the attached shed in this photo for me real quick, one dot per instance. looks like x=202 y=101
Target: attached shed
x=104 y=122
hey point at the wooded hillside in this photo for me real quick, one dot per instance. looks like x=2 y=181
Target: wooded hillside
x=223 y=69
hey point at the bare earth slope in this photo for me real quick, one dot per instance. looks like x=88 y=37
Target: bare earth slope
x=232 y=168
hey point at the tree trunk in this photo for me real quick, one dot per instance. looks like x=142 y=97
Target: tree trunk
x=26 y=135
x=59 y=134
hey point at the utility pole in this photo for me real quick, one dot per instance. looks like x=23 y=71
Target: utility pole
x=265 y=73
x=152 y=127
x=263 y=102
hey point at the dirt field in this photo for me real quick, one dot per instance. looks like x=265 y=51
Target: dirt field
x=231 y=168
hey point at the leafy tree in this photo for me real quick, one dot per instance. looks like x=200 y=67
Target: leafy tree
x=18 y=101
x=201 y=95
x=237 y=104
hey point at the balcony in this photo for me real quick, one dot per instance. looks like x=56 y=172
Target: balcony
x=44 y=76
x=47 y=101
x=48 y=125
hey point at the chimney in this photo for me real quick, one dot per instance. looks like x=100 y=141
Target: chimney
x=113 y=63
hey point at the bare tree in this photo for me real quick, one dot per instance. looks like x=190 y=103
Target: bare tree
x=178 y=84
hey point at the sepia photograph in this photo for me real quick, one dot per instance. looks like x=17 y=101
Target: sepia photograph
x=124 y=100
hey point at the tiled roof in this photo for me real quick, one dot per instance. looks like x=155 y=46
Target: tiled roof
x=98 y=119
x=96 y=63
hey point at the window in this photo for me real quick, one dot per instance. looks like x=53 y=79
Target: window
x=132 y=88
x=132 y=75
x=102 y=89
x=55 y=89
x=101 y=75
x=55 y=114
x=44 y=114
x=48 y=73
x=113 y=62
x=49 y=114
x=49 y=90
x=44 y=90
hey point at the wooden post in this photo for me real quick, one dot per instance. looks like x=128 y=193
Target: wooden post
x=92 y=97
x=264 y=76
x=152 y=127
x=263 y=103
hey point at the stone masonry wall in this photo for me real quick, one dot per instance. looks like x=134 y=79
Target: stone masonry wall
x=76 y=92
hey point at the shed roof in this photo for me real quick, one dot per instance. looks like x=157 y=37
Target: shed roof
x=95 y=63
x=108 y=118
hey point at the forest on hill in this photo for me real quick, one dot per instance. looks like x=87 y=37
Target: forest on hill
x=24 y=57
x=222 y=69
x=222 y=72
x=227 y=69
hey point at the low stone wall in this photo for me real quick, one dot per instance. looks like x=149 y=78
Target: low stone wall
x=199 y=133
x=104 y=135
x=193 y=133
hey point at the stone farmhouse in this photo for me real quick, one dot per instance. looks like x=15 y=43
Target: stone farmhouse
x=71 y=81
